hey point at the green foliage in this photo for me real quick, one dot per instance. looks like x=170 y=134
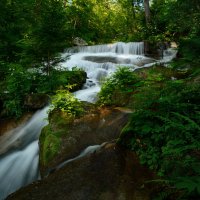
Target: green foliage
x=66 y=102
x=47 y=34
x=31 y=35
x=50 y=143
x=17 y=82
x=117 y=89
x=187 y=13
x=189 y=49
x=167 y=25
x=98 y=21
x=190 y=184
x=57 y=79
x=13 y=24
x=17 y=86
x=164 y=129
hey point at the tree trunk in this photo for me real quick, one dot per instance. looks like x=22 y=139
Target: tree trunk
x=147 y=11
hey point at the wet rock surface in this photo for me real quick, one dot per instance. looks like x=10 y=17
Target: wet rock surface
x=110 y=173
x=95 y=127
x=7 y=125
x=36 y=101
x=103 y=59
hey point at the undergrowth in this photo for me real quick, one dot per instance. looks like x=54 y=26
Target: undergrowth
x=164 y=129
x=117 y=89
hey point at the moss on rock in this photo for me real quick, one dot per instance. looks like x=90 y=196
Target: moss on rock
x=51 y=135
x=96 y=126
x=51 y=146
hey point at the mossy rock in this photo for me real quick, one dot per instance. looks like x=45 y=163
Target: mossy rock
x=50 y=148
x=59 y=119
x=52 y=134
x=96 y=126
x=50 y=144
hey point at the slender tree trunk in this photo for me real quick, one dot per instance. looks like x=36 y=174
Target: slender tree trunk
x=147 y=11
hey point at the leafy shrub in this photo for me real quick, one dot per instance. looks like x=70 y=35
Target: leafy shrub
x=58 y=79
x=117 y=89
x=190 y=48
x=66 y=102
x=17 y=86
x=17 y=82
x=164 y=131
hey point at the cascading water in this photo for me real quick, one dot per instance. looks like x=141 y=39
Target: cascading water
x=19 y=154
x=136 y=48
x=101 y=61
x=19 y=148
x=89 y=150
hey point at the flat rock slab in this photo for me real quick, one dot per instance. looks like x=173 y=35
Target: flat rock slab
x=116 y=60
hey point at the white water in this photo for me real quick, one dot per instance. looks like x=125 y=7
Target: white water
x=101 y=61
x=19 y=156
x=89 y=150
x=19 y=148
x=136 y=48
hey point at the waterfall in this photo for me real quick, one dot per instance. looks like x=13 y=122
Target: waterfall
x=89 y=150
x=136 y=48
x=19 y=157
x=100 y=61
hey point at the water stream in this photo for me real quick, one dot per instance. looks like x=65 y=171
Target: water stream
x=101 y=61
x=19 y=148
x=19 y=157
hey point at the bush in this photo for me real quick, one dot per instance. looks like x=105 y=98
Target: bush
x=17 y=82
x=17 y=85
x=189 y=49
x=164 y=129
x=58 y=79
x=66 y=102
x=117 y=89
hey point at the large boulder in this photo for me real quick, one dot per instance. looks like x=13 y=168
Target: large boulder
x=65 y=138
x=109 y=173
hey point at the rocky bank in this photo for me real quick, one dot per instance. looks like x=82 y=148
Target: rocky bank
x=109 y=173
x=64 y=138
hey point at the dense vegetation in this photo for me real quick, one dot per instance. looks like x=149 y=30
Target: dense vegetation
x=164 y=129
x=165 y=125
